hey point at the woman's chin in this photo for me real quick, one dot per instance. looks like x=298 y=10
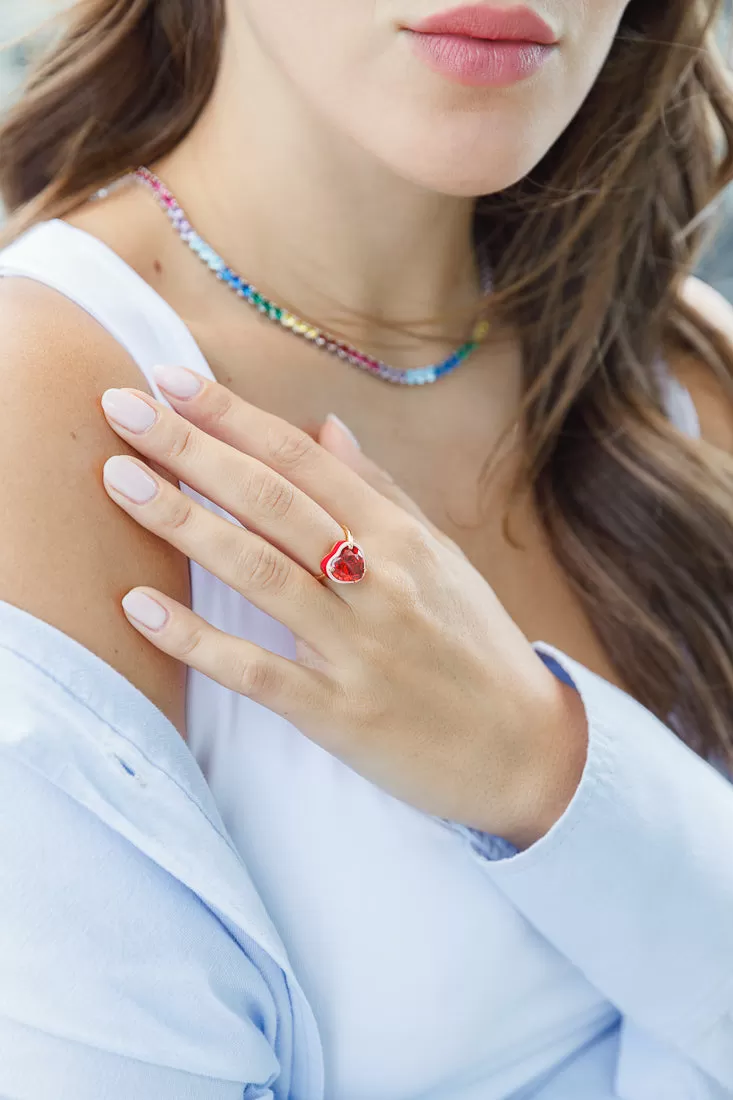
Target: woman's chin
x=462 y=175
x=465 y=184
x=452 y=158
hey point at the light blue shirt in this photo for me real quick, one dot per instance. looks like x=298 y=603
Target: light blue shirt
x=137 y=961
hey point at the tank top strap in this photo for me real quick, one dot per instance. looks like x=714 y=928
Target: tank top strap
x=681 y=408
x=678 y=401
x=88 y=273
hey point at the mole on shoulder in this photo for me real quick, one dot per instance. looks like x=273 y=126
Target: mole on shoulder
x=158 y=267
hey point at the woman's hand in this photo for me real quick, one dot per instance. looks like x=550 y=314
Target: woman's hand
x=415 y=677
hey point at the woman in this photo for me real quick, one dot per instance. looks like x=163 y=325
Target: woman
x=417 y=852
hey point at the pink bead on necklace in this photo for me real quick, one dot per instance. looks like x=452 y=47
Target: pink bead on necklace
x=416 y=376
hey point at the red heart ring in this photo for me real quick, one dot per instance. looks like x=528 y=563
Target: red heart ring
x=345 y=563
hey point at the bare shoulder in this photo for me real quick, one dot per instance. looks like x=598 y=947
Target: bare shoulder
x=714 y=407
x=67 y=554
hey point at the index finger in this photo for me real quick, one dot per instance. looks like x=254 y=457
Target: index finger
x=280 y=445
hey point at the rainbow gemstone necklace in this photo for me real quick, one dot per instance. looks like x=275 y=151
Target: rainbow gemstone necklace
x=415 y=376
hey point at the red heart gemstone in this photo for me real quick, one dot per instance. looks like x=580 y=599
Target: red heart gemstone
x=344 y=564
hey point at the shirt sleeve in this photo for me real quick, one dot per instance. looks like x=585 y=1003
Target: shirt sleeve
x=115 y=982
x=634 y=885
x=137 y=961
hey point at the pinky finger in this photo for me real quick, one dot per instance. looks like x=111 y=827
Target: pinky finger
x=278 y=684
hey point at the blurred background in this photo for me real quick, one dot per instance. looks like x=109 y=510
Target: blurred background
x=17 y=17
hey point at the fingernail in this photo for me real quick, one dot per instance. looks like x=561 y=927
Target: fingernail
x=145 y=610
x=128 y=478
x=343 y=428
x=178 y=381
x=128 y=411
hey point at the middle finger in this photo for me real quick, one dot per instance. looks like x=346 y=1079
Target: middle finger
x=255 y=495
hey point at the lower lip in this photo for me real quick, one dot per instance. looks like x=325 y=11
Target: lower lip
x=478 y=61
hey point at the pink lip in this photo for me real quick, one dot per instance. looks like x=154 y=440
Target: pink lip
x=478 y=21
x=479 y=62
x=482 y=46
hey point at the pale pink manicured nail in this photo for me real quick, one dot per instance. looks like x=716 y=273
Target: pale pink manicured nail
x=145 y=610
x=178 y=381
x=128 y=411
x=128 y=478
x=344 y=428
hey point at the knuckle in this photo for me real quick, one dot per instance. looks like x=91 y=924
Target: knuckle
x=182 y=445
x=189 y=642
x=366 y=712
x=257 y=679
x=265 y=568
x=371 y=648
x=288 y=449
x=218 y=407
x=272 y=494
x=179 y=512
x=401 y=588
x=417 y=543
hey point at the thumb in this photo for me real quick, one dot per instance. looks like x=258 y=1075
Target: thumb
x=335 y=437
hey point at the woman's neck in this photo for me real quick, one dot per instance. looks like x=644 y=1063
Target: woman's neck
x=312 y=218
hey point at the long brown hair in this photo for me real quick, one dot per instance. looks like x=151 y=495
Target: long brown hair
x=589 y=255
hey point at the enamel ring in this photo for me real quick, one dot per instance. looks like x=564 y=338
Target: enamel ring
x=345 y=562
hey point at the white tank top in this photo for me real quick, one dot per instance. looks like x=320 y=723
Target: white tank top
x=424 y=981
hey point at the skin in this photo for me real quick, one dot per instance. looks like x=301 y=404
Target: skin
x=349 y=198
